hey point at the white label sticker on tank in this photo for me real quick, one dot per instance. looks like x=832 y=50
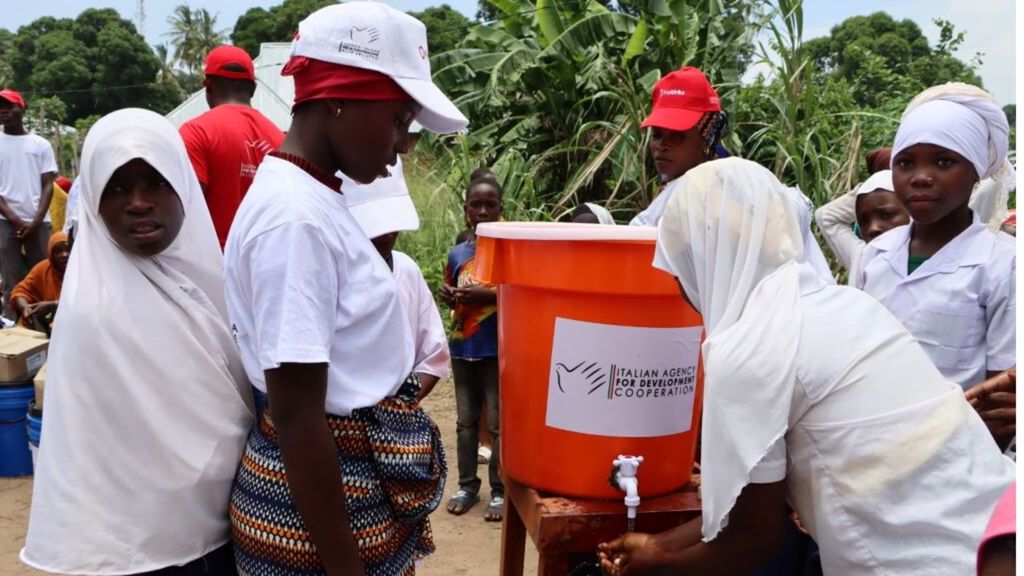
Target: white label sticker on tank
x=622 y=381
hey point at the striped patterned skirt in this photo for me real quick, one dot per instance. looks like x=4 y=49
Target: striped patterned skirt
x=393 y=471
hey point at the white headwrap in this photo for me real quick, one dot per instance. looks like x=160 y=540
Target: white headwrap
x=968 y=121
x=602 y=213
x=881 y=180
x=147 y=403
x=731 y=237
x=804 y=211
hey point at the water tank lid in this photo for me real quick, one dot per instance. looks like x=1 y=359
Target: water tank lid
x=562 y=231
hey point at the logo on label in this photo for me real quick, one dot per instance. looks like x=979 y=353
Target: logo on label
x=367 y=35
x=625 y=381
x=671 y=92
x=255 y=150
x=423 y=53
x=359 y=38
x=581 y=378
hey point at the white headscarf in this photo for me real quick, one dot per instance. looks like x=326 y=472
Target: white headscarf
x=147 y=404
x=731 y=237
x=804 y=211
x=881 y=180
x=968 y=121
x=602 y=213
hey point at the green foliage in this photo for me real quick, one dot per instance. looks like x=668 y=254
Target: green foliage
x=557 y=90
x=446 y=27
x=278 y=24
x=6 y=47
x=193 y=34
x=879 y=56
x=94 y=64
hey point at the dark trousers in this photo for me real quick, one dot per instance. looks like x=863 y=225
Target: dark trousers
x=476 y=381
x=13 y=265
x=218 y=562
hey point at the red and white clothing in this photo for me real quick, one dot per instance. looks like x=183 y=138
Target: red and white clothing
x=305 y=285
x=23 y=160
x=225 y=146
x=429 y=338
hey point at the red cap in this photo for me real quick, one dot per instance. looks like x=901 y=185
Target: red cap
x=222 y=56
x=680 y=99
x=12 y=97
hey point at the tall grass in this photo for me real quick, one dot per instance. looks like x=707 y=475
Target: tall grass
x=440 y=211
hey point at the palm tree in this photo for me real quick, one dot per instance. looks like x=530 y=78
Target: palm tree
x=193 y=34
x=166 y=74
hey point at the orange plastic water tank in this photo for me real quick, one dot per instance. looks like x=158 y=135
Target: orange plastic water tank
x=598 y=356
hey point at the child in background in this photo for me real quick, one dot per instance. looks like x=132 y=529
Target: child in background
x=147 y=403
x=946 y=276
x=35 y=298
x=873 y=206
x=590 y=213
x=474 y=352
x=482 y=173
x=383 y=209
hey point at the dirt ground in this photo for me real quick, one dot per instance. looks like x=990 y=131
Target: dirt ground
x=466 y=545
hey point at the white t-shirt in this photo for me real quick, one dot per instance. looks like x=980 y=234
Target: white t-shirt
x=960 y=304
x=879 y=441
x=428 y=334
x=304 y=285
x=23 y=160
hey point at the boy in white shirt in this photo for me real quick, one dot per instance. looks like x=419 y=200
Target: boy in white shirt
x=383 y=209
x=27 y=170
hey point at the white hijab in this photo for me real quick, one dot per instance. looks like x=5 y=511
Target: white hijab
x=602 y=213
x=881 y=180
x=731 y=237
x=147 y=404
x=969 y=121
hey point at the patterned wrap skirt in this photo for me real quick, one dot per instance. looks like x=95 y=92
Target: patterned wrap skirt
x=393 y=471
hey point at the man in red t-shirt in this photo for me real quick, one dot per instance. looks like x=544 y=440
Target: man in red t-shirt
x=227 y=143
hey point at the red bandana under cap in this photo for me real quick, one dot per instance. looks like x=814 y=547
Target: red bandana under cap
x=319 y=80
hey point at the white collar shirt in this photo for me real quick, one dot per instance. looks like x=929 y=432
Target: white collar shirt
x=960 y=304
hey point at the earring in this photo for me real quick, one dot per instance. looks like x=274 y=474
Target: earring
x=337 y=112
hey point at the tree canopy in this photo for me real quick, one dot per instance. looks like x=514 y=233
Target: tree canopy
x=446 y=27
x=878 y=55
x=278 y=24
x=193 y=34
x=94 y=64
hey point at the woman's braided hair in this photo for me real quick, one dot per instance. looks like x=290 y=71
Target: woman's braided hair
x=711 y=128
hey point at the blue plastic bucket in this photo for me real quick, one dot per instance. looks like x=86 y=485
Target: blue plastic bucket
x=15 y=458
x=35 y=430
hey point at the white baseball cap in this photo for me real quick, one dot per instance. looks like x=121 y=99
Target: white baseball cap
x=375 y=36
x=382 y=206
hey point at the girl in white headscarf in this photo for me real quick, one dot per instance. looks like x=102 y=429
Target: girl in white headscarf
x=946 y=276
x=814 y=396
x=147 y=404
x=872 y=206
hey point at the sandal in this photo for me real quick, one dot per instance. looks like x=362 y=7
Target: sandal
x=495 y=509
x=462 y=501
